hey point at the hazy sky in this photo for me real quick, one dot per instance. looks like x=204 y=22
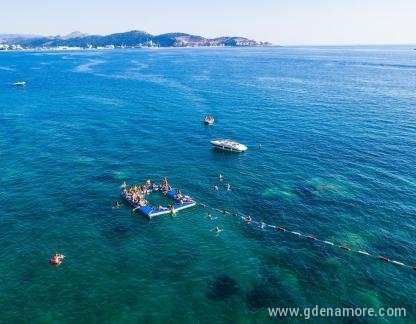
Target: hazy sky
x=279 y=21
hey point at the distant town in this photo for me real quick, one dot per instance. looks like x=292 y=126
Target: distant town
x=18 y=47
x=131 y=39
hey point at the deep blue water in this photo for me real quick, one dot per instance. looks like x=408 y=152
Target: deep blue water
x=337 y=128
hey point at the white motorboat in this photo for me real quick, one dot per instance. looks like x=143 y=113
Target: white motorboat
x=209 y=120
x=20 y=83
x=228 y=145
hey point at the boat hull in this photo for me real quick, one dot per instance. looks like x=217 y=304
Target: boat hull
x=223 y=148
x=229 y=146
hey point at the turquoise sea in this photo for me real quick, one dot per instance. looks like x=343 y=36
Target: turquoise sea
x=337 y=127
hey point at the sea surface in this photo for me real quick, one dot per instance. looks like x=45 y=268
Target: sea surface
x=337 y=129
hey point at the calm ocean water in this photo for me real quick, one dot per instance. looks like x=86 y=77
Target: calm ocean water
x=337 y=128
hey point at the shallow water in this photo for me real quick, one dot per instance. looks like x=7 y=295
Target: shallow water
x=337 y=128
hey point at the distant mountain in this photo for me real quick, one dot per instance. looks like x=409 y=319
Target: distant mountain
x=75 y=34
x=133 y=38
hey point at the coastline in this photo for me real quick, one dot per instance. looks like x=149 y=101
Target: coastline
x=74 y=49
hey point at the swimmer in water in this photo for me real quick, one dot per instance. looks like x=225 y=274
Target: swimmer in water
x=262 y=224
x=117 y=204
x=57 y=259
x=210 y=216
x=217 y=230
x=221 y=177
x=228 y=187
x=247 y=218
x=124 y=185
x=216 y=187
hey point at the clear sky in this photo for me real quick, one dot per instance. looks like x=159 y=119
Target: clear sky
x=284 y=22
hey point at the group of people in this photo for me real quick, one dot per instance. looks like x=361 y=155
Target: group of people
x=216 y=229
x=227 y=186
x=181 y=198
x=136 y=194
x=247 y=219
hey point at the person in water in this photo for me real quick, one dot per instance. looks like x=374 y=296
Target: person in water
x=216 y=187
x=117 y=204
x=221 y=177
x=165 y=184
x=228 y=187
x=57 y=259
x=262 y=224
x=210 y=216
x=217 y=230
x=178 y=194
x=248 y=219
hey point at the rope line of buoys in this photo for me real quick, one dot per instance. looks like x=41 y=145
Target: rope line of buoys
x=309 y=237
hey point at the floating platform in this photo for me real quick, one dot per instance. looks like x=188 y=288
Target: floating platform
x=151 y=212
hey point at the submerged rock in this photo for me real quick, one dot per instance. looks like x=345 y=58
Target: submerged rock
x=116 y=232
x=306 y=193
x=222 y=287
x=261 y=296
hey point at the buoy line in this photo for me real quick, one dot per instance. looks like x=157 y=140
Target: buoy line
x=282 y=229
x=276 y=228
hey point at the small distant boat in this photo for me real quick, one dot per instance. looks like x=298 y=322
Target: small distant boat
x=20 y=83
x=209 y=120
x=228 y=145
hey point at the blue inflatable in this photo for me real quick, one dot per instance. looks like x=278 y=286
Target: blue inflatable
x=179 y=202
